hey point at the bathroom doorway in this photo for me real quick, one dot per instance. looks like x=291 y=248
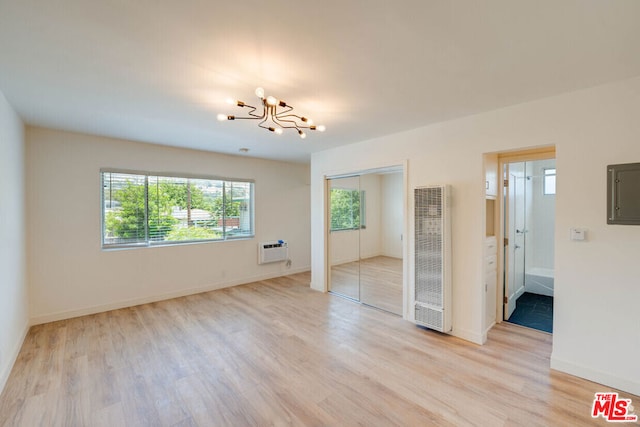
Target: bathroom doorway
x=529 y=203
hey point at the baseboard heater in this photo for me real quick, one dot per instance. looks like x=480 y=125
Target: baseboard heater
x=274 y=251
x=433 y=258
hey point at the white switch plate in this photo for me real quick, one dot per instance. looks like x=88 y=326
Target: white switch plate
x=578 y=234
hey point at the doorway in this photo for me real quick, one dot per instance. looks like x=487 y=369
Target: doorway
x=529 y=202
x=365 y=237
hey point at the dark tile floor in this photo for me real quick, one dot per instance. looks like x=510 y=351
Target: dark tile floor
x=534 y=311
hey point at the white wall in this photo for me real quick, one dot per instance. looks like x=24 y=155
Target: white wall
x=14 y=307
x=596 y=319
x=392 y=212
x=70 y=275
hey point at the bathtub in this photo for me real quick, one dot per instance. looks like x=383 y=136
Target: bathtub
x=539 y=280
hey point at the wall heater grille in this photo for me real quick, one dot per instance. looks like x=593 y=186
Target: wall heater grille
x=275 y=251
x=432 y=258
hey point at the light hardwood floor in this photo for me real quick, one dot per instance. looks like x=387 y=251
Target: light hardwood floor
x=379 y=279
x=277 y=353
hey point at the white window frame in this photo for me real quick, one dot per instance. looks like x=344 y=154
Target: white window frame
x=147 y=241
x=545 y=184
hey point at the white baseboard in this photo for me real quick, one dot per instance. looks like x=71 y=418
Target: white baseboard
x=317 y=287
x=13 y=356
x=364 y=256
x=68 y=314
x=390 y=255
x=624 y=384
x=485 y=334
x=474 y=337
x=341 y=261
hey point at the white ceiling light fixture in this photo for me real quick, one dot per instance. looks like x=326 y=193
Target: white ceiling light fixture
x=272 y=119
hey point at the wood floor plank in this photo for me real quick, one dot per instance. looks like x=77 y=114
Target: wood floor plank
x=109 y=416
x=277 y=353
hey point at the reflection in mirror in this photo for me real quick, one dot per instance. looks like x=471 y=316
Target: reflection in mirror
x=344 y=243
x=381 y=242
x=365 y=238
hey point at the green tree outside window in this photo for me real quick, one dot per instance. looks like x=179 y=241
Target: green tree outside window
x=347 y=209
x=145 y=209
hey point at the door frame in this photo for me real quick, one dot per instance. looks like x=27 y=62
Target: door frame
x=541 y=153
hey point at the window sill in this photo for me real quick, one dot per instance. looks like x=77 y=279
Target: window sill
x=111 y=248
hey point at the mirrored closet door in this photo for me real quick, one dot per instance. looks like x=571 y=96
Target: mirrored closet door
x=365 y=238
x=344 y=236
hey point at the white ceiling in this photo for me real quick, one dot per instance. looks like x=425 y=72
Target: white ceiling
x=160 y=71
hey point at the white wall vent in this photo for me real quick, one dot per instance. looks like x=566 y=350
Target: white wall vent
x=433 y=258
x=275 y=251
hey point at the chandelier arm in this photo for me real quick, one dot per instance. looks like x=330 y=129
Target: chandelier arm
x=290 y=115
x=251 y=113
x=264 y=119
x=296 y=122
x=279 y=122
x=286 y=110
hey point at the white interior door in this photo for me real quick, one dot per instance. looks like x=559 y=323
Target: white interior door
x=515 y=225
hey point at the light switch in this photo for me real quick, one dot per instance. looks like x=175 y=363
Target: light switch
x=578 y=234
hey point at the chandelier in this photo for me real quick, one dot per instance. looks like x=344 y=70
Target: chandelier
x=276 y=115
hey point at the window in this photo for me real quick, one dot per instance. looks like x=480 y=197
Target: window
x=549 y=183
x=347 y=209
x=144 y=210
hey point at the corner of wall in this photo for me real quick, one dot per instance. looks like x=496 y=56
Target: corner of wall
x=14 y=302
x=590 y=374
x=11 y=358
x=471 y=336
